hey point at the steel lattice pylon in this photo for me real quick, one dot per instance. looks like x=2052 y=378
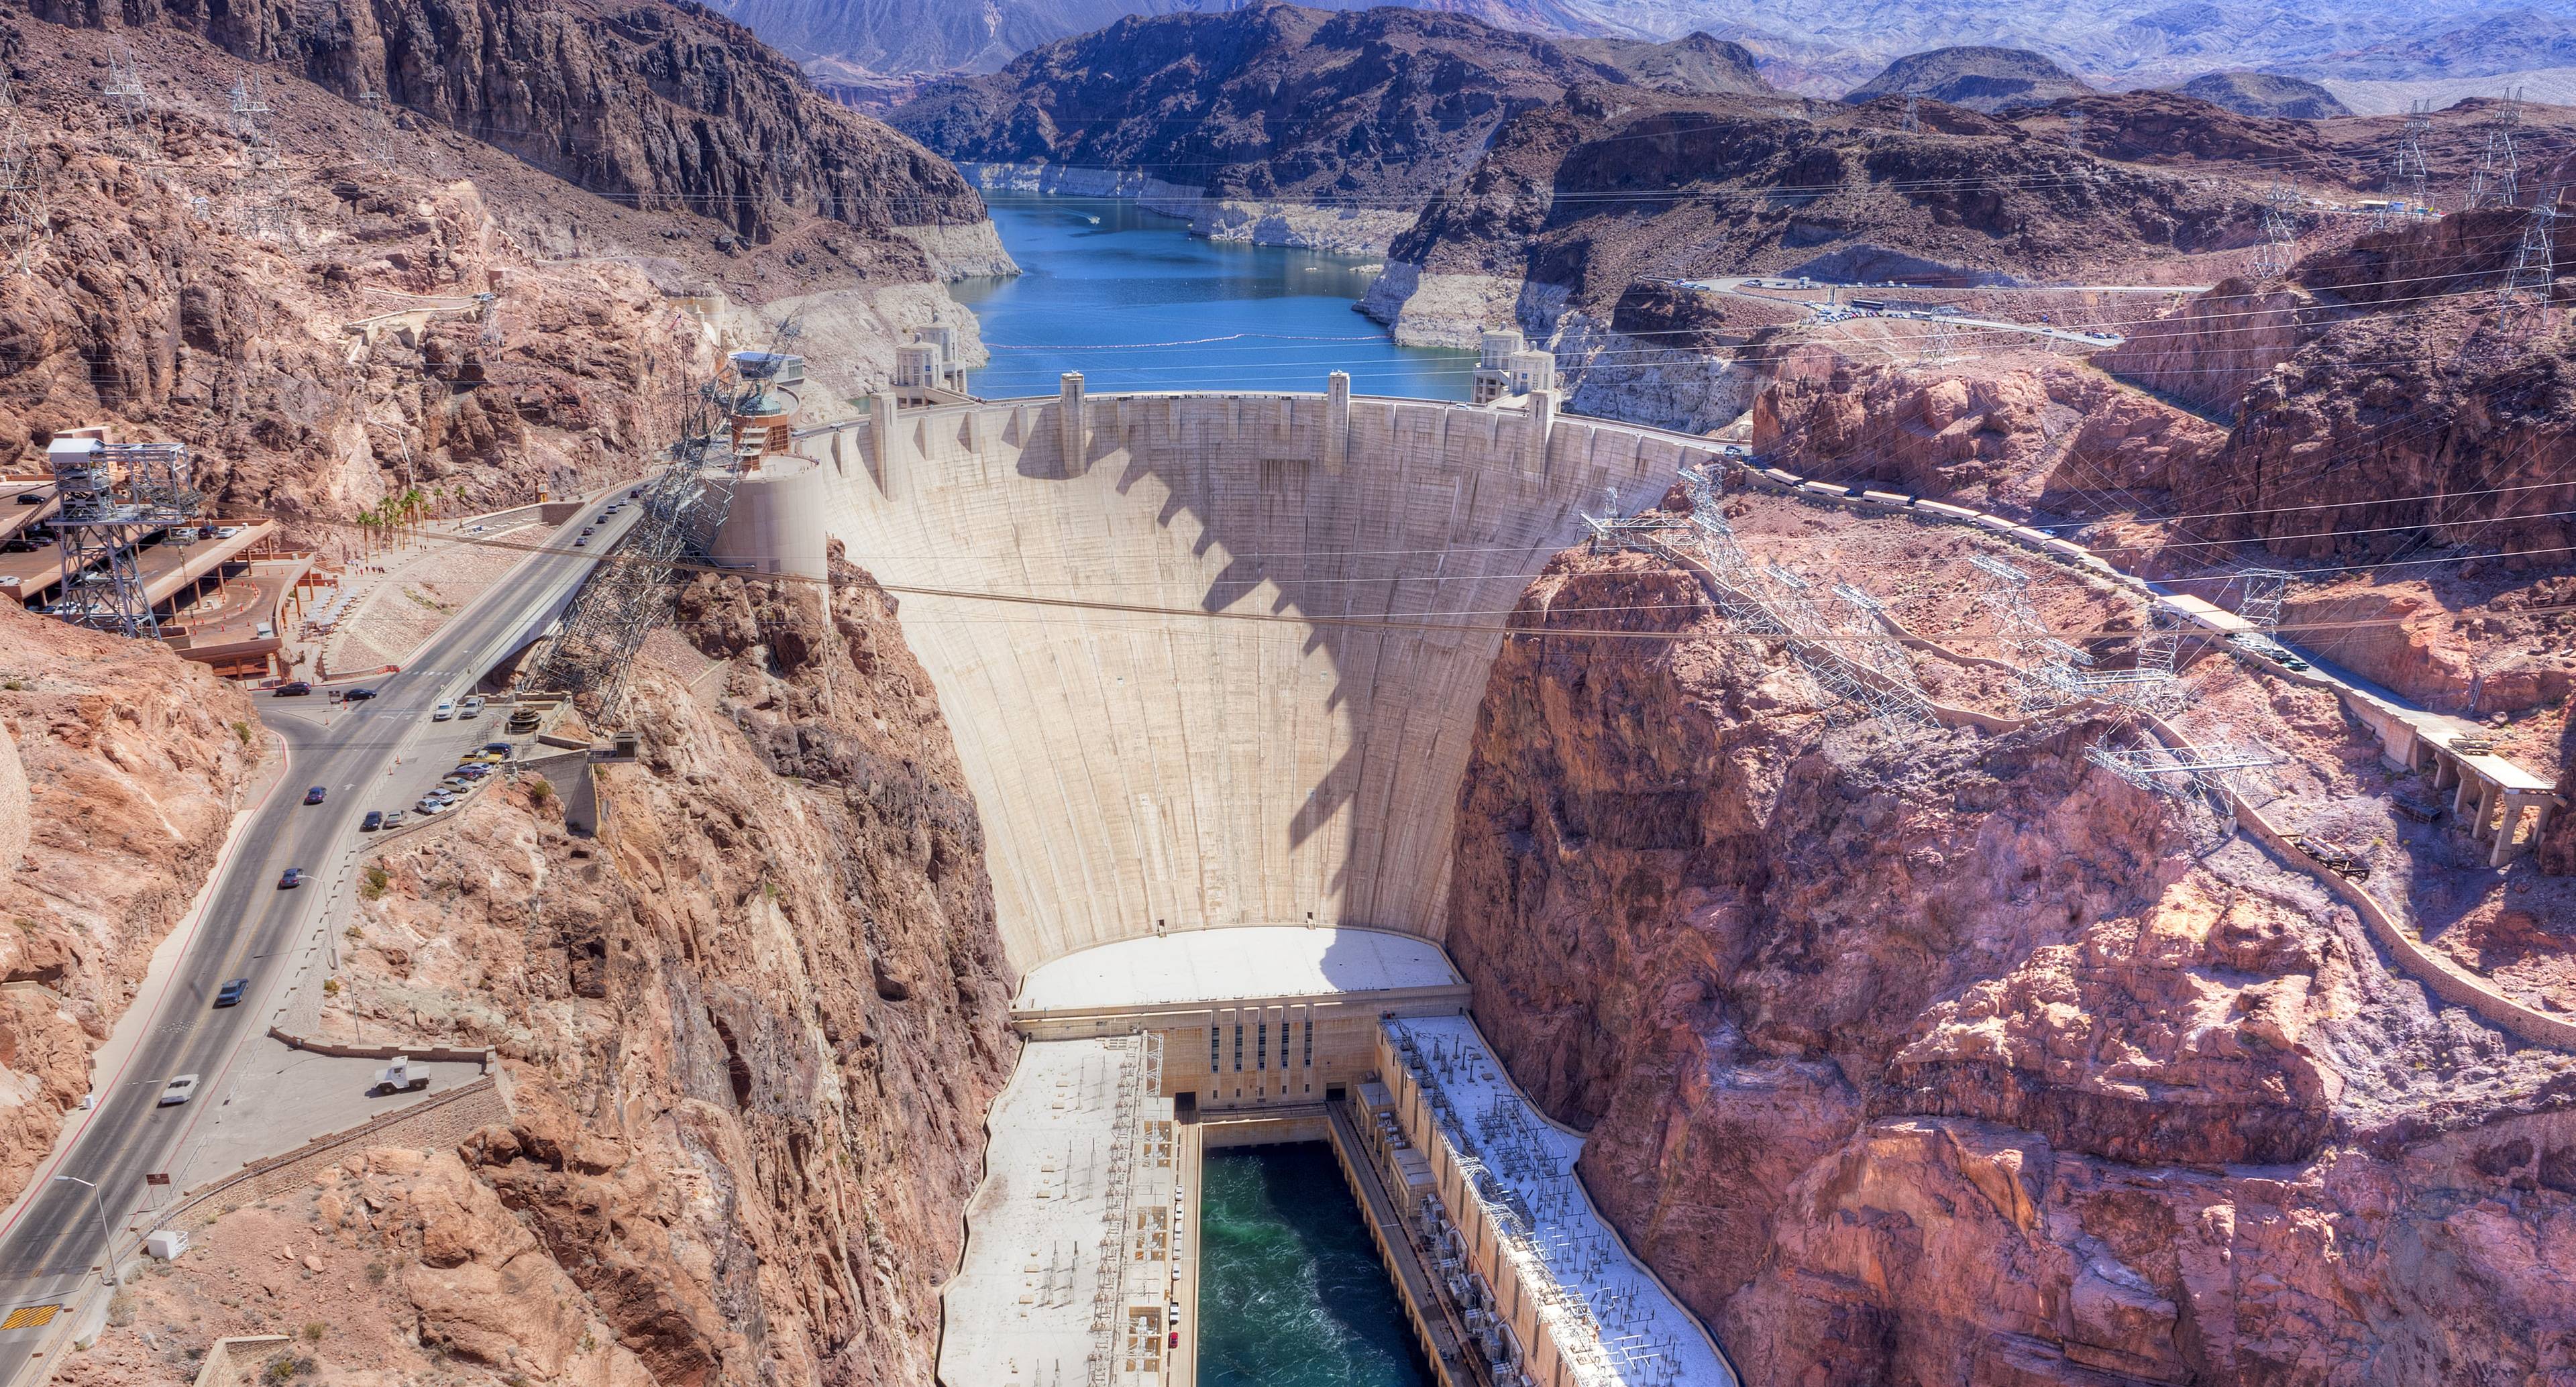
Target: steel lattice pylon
x=102 y=582
x=2497 y=183
x=594 y=653
x=2407 y=176
x=2280 y=232
x=2522 y=306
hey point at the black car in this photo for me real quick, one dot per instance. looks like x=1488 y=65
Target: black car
x=231 y=994
x=314 y=795
x=354 y=695
x=580 y=541
x=375 y=820
x=501 y=747
x=290 y=879
x=294 y=688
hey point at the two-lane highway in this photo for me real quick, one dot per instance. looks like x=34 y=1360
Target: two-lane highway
x=251 y=928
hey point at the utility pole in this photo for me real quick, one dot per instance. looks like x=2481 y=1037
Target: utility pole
x=107 y=1240
x=2497 y=183
x=1913 y=117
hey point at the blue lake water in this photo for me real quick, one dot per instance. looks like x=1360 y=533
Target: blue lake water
x=1291 y=1292
x=1134 y=302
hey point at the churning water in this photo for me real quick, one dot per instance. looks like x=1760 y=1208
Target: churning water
x=1291 y=1292
x=1134 y=302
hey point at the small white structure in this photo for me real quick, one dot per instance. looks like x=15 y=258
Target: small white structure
x=930 y=367
x=1507 y=365
x=166 y=1243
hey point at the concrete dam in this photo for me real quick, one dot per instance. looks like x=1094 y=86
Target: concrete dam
x=1213 y=663
x=1279 y=738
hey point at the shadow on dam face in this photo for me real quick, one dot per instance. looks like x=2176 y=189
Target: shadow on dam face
x=1279 y=737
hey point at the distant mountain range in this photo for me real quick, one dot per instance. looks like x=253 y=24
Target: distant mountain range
x=1815 y=47
x=1280 y=101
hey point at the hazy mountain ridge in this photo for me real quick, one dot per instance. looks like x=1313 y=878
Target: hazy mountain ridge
x=1377 y=108
x=1816 y=47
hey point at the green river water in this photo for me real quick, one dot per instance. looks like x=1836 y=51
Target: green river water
x=1291 y=1292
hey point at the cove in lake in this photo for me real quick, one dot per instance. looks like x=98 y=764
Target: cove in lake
x=1291 y=1292
x=1134 y=302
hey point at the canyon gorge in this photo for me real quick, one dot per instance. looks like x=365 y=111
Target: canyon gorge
x=1924 y=1046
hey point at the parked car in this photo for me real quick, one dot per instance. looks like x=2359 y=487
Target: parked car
x=429 y=804
x=291 y=878
x=227 y=531
x=294 y=688
x=497 y=748
x=472 y=707
x=230 y=994
x=393 y=818
x=177 y=1091
x=443 y=711
x=375 y=820
x=355 y=695
x=315 y=795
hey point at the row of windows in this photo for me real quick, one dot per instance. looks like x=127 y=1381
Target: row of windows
x=1261 y=1047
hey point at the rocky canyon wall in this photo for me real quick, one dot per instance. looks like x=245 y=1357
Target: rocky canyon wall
x=1951 y=1059
x=748 y=1031
x=120 y=768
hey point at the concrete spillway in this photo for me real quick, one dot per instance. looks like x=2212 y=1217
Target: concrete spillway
x=1278 y=737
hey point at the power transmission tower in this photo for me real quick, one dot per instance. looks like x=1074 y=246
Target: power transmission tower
x=258 y=202
x=1939 y=345
x=2280 y=233
x=2075 y=131
x=2407 y=175
x=1913 y=116
x=2522 y=307
x=2497 y=183
x=126 y=95
x=25 y=220
x=379 y=125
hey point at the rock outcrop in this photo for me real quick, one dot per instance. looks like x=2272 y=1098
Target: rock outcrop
x=749 y=1027
x=1287 y=113
x=120 y=768
x=1979 y=78
x=2266 y=94
x=2009 y=433
x=1948 y=1058
x=660 y=107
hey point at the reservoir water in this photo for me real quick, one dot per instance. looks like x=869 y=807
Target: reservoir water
x=1134 y=302
x=1291 y=1292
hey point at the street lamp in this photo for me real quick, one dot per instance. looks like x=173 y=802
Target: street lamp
x=107 y=1271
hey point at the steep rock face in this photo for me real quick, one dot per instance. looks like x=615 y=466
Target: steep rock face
x=1611 y=188
x=1374 y=109
x=120 y=768
x=2461 y=427
x=2213 y=347
x=2006 y=432
x=751 y=1027
x=1943 y=1059
x=657 y=105
x=205 y=336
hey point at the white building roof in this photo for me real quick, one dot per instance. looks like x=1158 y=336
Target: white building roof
x=1232 y=964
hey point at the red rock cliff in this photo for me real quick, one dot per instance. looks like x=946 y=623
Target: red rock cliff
x=1947 y=1060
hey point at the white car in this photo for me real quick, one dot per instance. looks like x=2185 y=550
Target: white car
x=443 y=711
x=179 y=1090
x=472 y=707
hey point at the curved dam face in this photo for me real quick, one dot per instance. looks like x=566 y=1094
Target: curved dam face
x=1277 y=737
